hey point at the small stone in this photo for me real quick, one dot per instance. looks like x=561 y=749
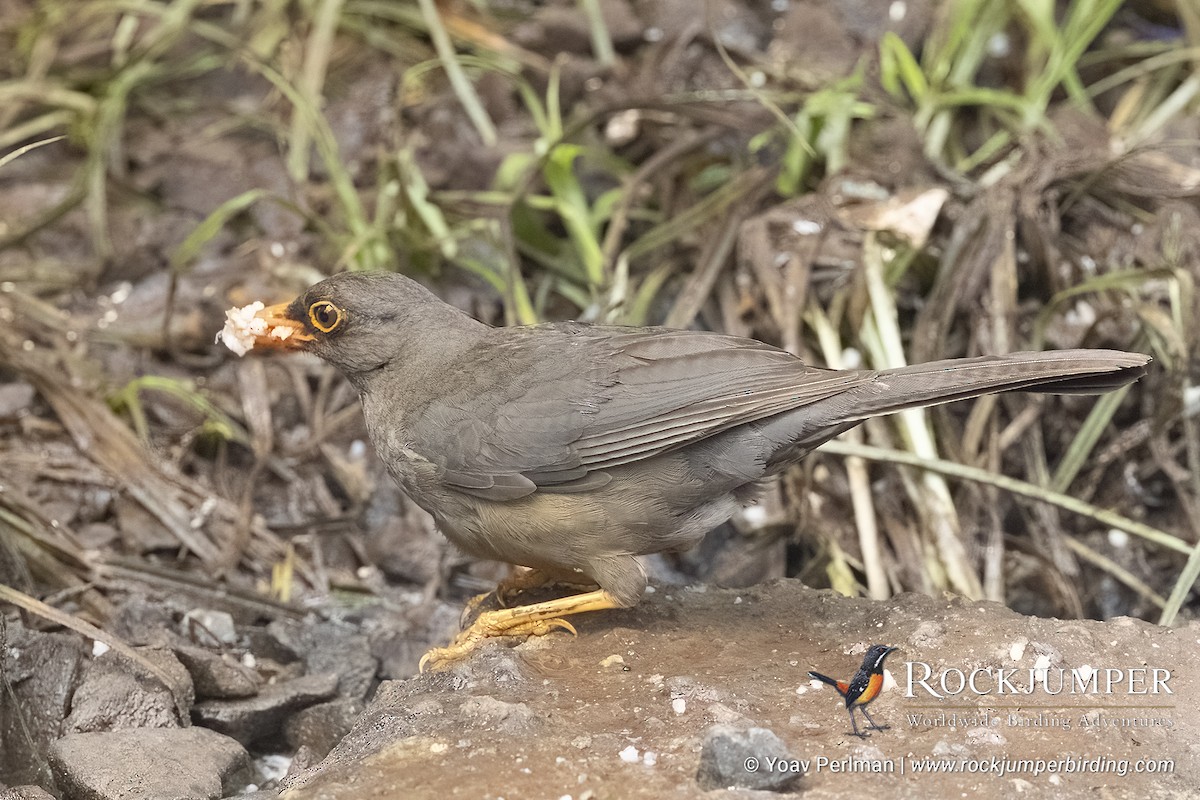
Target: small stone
x=116 y=694
x=43 y=670
x=26 y=793
x=630 y=755
x=498 y=715
x=275 y=766
x=259 y=717
x=15 y=399
x=319 y=728
x=1017 y=649
x=331 y=647
x=149 y=763
x=216 y=676
x=207 y=627
x=739 y=758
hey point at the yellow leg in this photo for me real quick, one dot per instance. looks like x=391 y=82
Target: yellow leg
x=536 y=619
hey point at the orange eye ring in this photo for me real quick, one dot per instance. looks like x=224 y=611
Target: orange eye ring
x=325 y=316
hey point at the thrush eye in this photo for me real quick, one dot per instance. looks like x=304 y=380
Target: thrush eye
x=324 y=316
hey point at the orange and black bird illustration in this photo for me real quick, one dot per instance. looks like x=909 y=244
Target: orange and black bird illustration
x=863 y=687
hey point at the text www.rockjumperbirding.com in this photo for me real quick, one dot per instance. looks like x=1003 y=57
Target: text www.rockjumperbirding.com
x=996 y=765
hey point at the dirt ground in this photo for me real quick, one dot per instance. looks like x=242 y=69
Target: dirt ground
x=553 y=717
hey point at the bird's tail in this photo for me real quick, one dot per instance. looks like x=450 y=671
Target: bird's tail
x=937 y=382
x=831 y=681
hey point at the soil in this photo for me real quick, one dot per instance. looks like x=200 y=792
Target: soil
x=553 y=717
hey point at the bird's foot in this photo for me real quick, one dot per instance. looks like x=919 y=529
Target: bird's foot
x=506 y=591
x=519 y=581
x=472 y=608
x=467 y=641
x=536 y=619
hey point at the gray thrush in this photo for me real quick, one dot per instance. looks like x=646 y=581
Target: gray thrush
x=573 y=449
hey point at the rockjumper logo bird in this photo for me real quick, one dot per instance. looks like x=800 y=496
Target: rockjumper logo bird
x=863 y=687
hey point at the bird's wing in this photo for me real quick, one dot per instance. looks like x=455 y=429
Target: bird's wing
x=571 y=401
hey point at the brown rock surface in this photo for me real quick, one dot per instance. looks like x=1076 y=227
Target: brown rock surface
x=149 y=764
x=600 y=715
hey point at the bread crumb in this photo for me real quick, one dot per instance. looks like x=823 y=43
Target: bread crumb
x=243 y=327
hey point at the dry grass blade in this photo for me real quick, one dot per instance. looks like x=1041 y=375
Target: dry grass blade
x=1065 y=502
x=20 y=151
x=198 y=519
x=700 y=283
x=454 y=71
x=178 y=583
x=882 y=335
x=865 y=517
x=106 y=440
x=42 y=550
x=1183 y=587
x=312 y=80
x=1116 y=570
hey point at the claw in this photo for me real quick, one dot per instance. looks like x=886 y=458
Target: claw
x=563 y=625
x=537 y=619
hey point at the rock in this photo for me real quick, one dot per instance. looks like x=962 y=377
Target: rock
x=398 y=645
x=116 y=694
x=139 y=621
x=217 y=676
x=211 y=628
x=260 y=794
x=304 y=759
x=263 y=715
x=319 y=728
x=721 y=714
x=151 y=763
x=422 y=738
x=43 y=669
x=26 y=793
x=508 y=718
x=278 y=641
x=331 y=647
x=740 y=757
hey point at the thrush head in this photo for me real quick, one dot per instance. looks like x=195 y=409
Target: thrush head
x=361 y=323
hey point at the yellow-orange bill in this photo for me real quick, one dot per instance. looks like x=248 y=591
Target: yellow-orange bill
x=269 y=327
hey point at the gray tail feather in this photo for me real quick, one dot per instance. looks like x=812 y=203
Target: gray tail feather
x=1052 y=372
